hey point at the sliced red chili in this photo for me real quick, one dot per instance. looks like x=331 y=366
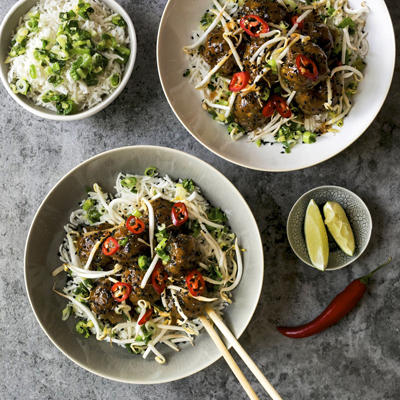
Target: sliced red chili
x=281 y=106
x=254 y=25
x=159 y=278
x=135 y=225
x=120 y=291
x=307 y=67
x=239 y=81
x=110 y=246
x=195 y=283
x=300 y=24
x=269 y=109
x=179 y=214
x=145 y=317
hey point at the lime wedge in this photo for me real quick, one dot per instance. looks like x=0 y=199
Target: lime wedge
x=316 y=237
x=339 y=227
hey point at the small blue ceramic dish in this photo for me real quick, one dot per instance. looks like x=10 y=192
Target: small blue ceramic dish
x=357 y=213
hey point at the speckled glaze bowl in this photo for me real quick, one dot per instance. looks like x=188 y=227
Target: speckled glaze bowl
x=357 y=213
x=10 y=23
x=46 y=235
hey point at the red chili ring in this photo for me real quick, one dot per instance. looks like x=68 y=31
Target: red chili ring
x=146 y=317
x=307 y=67
x=139 y=226
x=179 y=214
x=239 y=81
x=195 y=283
x=159 y=278
x=109 y=250
x=247 y=26
x=116 y=286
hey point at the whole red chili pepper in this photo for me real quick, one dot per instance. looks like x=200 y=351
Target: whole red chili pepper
x=340 y=306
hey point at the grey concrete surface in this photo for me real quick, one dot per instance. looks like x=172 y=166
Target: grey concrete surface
x=357 y=359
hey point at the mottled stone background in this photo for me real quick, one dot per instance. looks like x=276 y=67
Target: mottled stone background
x=359 y=358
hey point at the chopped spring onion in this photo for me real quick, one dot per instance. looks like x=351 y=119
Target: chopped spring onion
x=22 y=34
x=115 y=80
x=107 y=42
x=129 y=182
x=137 y=213
x=124 y=53
x=66 y=16
x=143 y=262
x=309 y=137
x=88 y=204
x=119 y=21
x=83 y=328
x=55 y=80
x=150 y=171
x=84 y=10
x=123 y=241
x=266 y=94
x=160 y=250
x=188 y=185
x=66 y=312
x=272 y=64
x=66 y=107
x=32 y=72
x=22 y=86
x=347 y=22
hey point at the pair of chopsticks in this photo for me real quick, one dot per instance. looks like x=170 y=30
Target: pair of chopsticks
x=242 y=353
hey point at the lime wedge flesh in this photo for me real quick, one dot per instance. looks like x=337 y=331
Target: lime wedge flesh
x=339 y=227
x=316 y=237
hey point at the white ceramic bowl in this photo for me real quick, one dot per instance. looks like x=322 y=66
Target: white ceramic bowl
x=9 y=25
x=47 y=233
x=357 y=213
x=186 y=101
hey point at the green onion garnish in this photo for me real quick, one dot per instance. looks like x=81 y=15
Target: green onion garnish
x=150 y=171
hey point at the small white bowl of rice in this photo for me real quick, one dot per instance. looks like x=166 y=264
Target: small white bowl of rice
x=66 y=60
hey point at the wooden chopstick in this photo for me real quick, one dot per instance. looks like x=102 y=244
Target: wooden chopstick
x=228 y=358
x=242 y=353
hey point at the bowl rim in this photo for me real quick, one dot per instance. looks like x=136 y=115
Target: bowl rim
x=35 y=218
x=98 y=107
x=246 y=165
x=352 y=194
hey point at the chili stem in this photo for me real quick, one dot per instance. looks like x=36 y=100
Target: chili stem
x=365 y=279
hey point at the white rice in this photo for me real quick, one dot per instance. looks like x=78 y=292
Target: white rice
x=85 y=97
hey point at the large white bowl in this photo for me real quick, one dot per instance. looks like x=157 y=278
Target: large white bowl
x=186 y=101
x=10 y=23
x=47 y=233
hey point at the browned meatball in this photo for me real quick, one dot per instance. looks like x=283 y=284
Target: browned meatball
x=134 y=275
x=247 y=111
x=133 y=248
x=312 y=102
x=268 y=10
x=191 y=307
x=85 y=246
x=216 y=48
x=162 y=213
x=183 y=253
x=102 y=303
x=290 y=73
x=320 y=35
